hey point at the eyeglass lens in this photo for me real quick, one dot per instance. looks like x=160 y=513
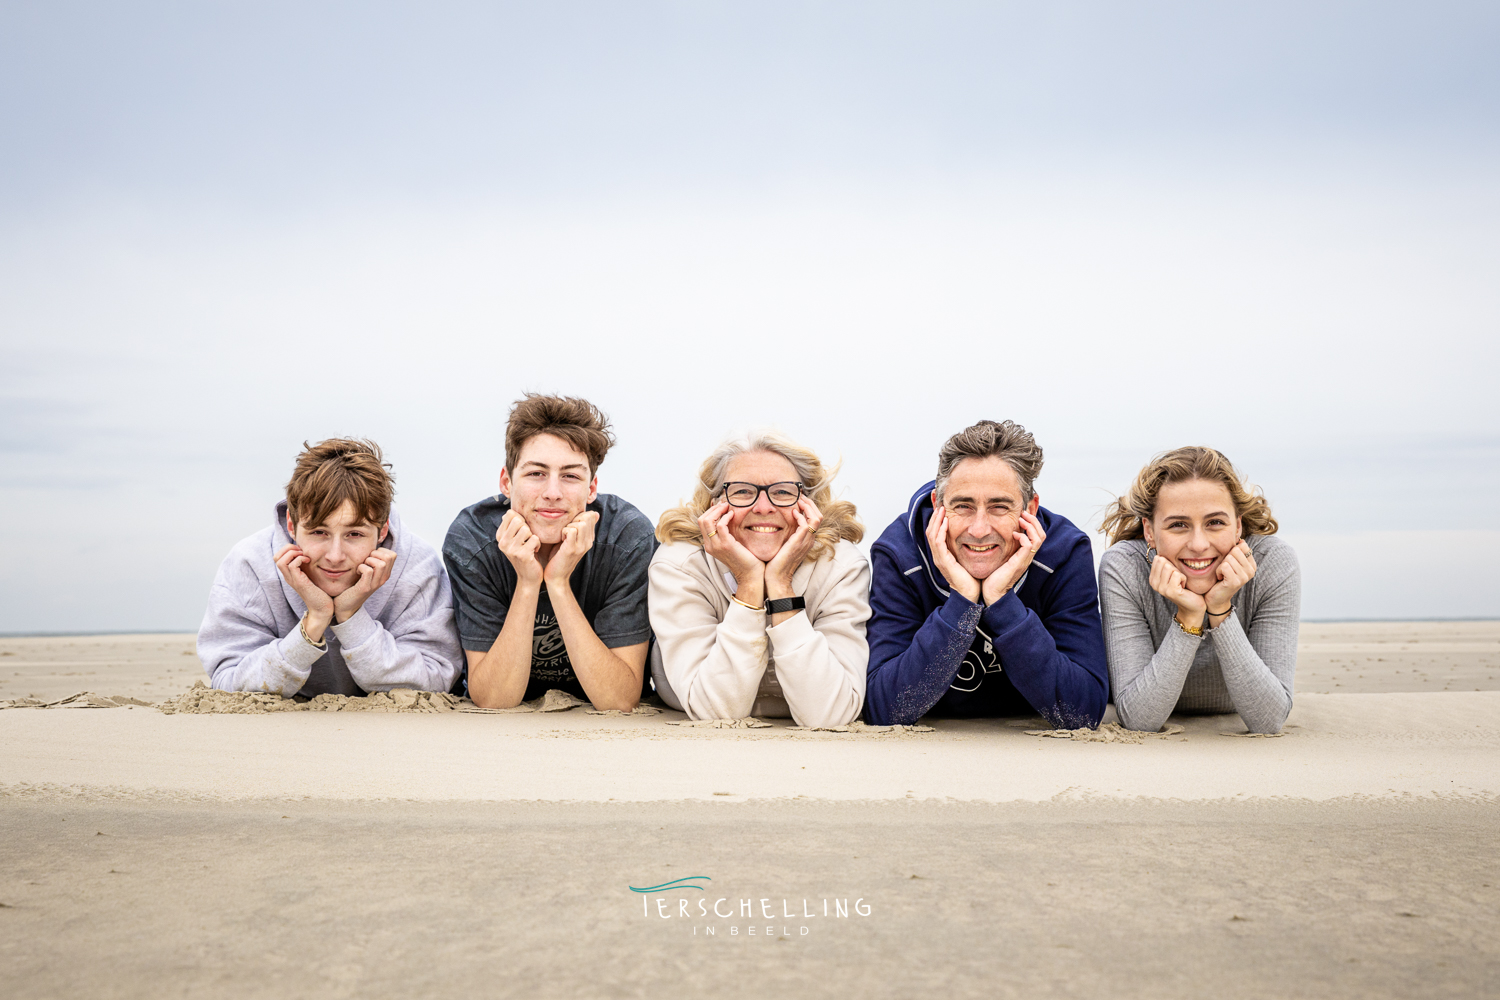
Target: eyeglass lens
x=745 y=494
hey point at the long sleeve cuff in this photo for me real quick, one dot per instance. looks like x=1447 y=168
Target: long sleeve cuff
x=1005 y=614
x=299 y=654
x=957 y=612
x=791 y=633
x=355 y=631
x=742 y=621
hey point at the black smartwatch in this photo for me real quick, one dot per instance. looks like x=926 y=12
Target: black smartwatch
x=781 y=604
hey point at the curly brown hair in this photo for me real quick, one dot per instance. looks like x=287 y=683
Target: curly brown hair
x=1123 y=516
x=577 y=421
x=337 y=470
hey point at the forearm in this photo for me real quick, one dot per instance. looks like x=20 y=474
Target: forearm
x=1058 y=666
x=1147 y=692
x=905 y=687
x=822 y=687
x=498 y=679
x=280 y=666
x=1262 y=699
x=379 y=660
x=609 y=681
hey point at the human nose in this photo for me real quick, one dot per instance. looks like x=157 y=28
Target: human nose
x=763 y=504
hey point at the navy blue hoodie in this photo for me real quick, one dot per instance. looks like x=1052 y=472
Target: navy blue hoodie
x=1040 y=648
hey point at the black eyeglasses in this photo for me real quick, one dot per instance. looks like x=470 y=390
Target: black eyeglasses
x=745 y=494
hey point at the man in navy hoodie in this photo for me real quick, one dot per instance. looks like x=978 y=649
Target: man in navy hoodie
x=983 y=602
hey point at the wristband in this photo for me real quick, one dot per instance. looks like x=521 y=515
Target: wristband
x=781 y=604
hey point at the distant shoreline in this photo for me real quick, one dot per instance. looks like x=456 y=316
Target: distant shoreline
x=151 y=631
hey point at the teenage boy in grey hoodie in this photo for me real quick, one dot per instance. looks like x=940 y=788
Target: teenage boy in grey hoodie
x=333 y=597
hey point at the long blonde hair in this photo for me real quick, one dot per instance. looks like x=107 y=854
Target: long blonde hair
x=1123 y=517
x=680 y=524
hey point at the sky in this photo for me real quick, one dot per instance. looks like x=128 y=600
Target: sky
x=229 y=228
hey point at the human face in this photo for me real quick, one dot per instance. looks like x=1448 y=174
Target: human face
x=336 y=548
x=1194 y=527
x=763 y=527
x=549 y=486
x=983 y=500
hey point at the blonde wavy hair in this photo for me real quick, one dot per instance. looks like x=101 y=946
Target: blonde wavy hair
x=1123 y=517
x=680 y=524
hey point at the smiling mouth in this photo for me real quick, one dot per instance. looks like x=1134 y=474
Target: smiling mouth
x=764 y=529
x=1197 y=564
x=981 y=549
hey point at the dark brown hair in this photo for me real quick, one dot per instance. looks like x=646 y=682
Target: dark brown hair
x=1122 y=518
x=576 y=421
x=339 y=469
x=1005 y=440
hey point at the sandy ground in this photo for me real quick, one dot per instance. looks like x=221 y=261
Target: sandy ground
x=335 y=855
x=1345 y=657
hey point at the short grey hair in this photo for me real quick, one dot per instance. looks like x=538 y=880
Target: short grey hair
x=1005 y=440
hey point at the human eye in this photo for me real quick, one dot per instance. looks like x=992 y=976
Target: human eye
x=783 y=493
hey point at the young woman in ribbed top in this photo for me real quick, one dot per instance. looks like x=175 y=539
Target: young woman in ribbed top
x=1200 y=599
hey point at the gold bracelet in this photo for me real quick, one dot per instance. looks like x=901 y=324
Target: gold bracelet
x=302 y=627
x=1196 y=630
x=759 y=610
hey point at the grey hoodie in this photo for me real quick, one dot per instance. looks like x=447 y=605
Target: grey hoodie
x=403 y=636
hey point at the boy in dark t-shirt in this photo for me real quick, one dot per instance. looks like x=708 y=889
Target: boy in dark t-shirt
x=549 y=577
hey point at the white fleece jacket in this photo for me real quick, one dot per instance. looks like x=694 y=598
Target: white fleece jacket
x=724 y=661
x=403 y=636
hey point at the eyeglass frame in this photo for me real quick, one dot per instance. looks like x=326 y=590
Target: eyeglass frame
x=759 y=489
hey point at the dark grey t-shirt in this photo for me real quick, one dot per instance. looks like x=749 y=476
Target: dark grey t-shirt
x=609 y=583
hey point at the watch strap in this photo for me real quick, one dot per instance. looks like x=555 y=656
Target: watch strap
x=781 y=604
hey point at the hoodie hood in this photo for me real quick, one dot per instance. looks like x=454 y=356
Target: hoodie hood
x=918 y=514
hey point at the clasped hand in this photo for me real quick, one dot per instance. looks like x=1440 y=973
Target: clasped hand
x=1236 y=569
x=321 y=608
x=756 y=580
x=1028 y=538
x=522 y=547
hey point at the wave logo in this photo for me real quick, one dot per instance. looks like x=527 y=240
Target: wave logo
x=689 y=882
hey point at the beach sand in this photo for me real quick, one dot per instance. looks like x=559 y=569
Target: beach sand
x=369 y=854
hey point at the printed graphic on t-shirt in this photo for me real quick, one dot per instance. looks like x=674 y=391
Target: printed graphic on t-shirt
x=550 y=667
x=980 y=661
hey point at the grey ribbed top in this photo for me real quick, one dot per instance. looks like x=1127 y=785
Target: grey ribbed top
x=1245 y=665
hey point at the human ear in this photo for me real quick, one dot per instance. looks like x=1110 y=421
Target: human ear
x=1146 y=532
x=505 y=481
x=385 y=529
x=593 y=489
x=291 y=529
x=1036 y=501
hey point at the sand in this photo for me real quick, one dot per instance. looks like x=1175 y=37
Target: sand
x=451 y=853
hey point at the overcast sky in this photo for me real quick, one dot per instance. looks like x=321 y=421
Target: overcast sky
x=228 y=228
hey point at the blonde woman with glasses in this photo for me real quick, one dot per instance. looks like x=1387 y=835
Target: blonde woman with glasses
x=758 y=595
x=1201 y=600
